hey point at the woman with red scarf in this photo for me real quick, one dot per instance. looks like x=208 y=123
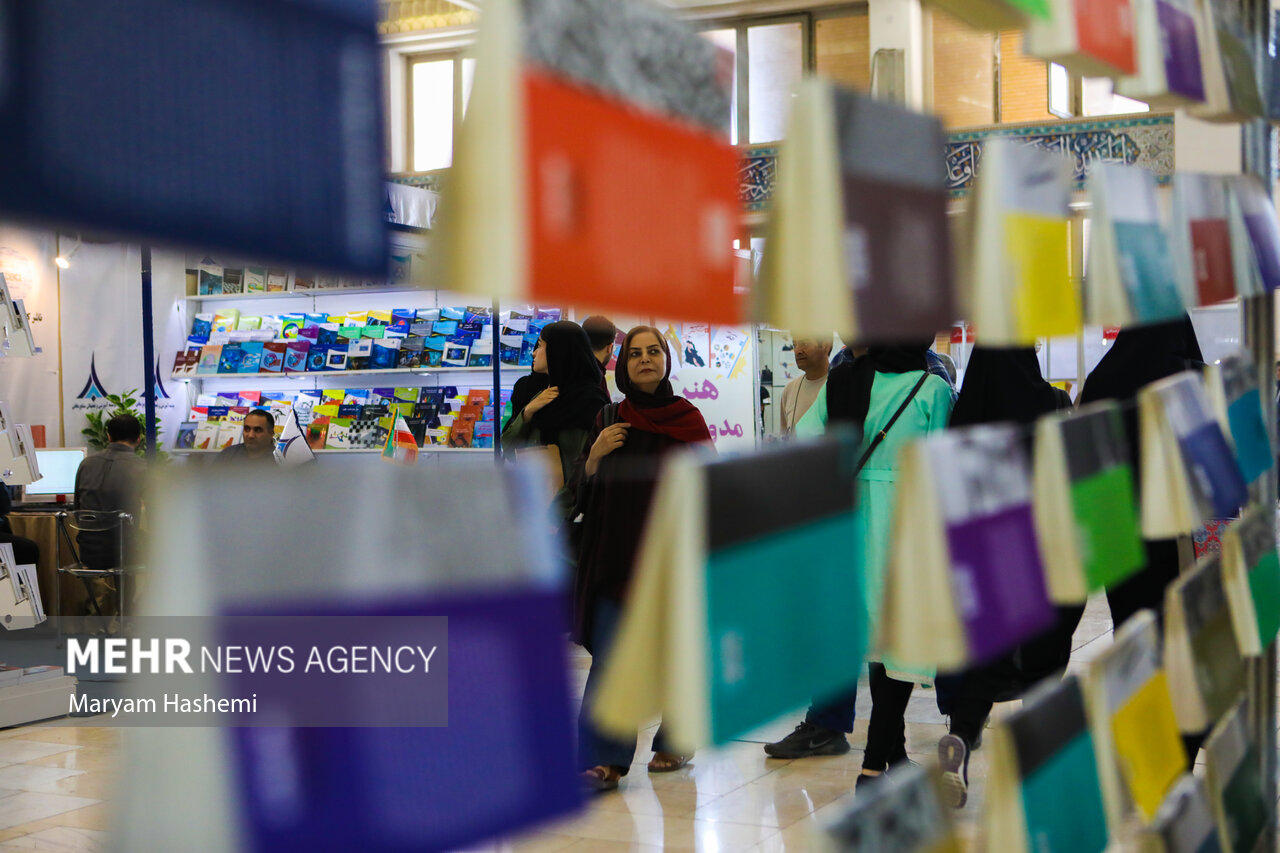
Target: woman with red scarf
x=616 y=478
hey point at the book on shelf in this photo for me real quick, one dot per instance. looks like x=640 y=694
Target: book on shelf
x=210 y=277
x=1085 y=504
x=251 y=360
x=206 y=435
x=186 y=439
x=226 y=320
x=255 y=279
x=1184 y=823
x=273 y=356
x=461 y=432
x=384 y=353
x=964 y=557
x=248 y=323
x=335 y=357
x=1041 y=751
x=297 y=356
x=1234 y=784
x=1020 y=284
x=40 y=673
x=1201 y=237
x=230 y=359
x=303 y=281
x=1201 y=655
x=359 y=352
x=1131 y=277
x=1140 y=749
x=700 y=641
x=1251 y=576
x=202 y=325
x=233 y=280
x=339 y=436
x=210 y=357
x=1189 y=473
x=1170 y=73
x=291 y=325
x=904 y=813
x=277 y=280
x=318 y=433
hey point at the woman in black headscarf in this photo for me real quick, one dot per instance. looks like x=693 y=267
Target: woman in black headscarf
x=1138 y=357
x=868 y=392
x=563 y=413
x=1000 y=385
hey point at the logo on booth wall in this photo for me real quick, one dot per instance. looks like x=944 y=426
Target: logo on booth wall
x=161 y=394
x=93 y=389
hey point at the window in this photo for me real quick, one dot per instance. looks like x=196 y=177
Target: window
x=1071 y=96
x=769 y=58
x=438 y=88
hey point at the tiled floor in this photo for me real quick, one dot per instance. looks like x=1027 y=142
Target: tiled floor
x=737 y=799
x=54 y=782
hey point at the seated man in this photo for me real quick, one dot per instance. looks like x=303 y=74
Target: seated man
x=259 y=441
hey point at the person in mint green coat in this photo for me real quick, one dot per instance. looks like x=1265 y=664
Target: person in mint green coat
x=868 y=392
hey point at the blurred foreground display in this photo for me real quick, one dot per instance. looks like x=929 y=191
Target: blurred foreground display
x=247 y=125
x=717 y=636
x=504 y=759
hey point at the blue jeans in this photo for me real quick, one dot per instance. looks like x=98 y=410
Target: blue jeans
x=886 y=730
x=595 y=748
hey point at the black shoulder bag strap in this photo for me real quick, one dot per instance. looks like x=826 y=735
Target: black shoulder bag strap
x=875 y=442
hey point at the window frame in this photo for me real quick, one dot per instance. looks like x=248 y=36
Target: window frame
x=455 y=55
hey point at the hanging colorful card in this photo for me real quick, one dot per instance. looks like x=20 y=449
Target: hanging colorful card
x=897 y=242
x=903 y=814
x=1230 y=78
x=1232 y=386
x=1184 y=823
x=995 y=14
x=1139 y=746
x=1131 y=275
x=1093 y=38
x=963 y=558
x=1255 y=237
x=594 y=167
x=803 y=277
x=1085 y=506
x=1201 y=239
x=700 y=640
x=1201 y=656
x=1189 y=473
x=1237 y=792
x=1169 y=67
x=1020 y=280
x=1251 y=573
x=1041 y=752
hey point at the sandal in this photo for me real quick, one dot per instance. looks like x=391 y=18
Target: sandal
x=601 y=778
x=668 y=762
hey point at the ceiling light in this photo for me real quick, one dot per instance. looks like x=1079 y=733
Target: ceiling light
x=64 y=261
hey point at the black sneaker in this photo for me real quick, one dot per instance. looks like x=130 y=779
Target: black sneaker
x=808 y=740
x=953 y=757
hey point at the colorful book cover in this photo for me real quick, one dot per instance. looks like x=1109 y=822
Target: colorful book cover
x=1138 y=713
x=297 y=356
x=304 y=280
x=210 y=277
x=1233 y=779
x=186 y=439
x=897 y=240
x=1102 y=496
x=1215 y=478
x=311 y=334
x=359 y=353
x=352 y=410
x=461 y=433
x=1180 y=40
x=984 y=488
x=410 y=353
x=206 y=435
x=373 y=331
x=1142 y=247
x=1185 y=823
x=335 y=358
x=233 y=280
x=202 y=325
x=273 y=353
x=1055 y=754
x=454 y=314
x=580 y=259
x=277 y=280
x=318 y=432
x=327 y=334
x=357 y=396
x=1244 y=415
x=418 y=429
x=339 y=436
x=384 y=354
x=232 y=356
x=456 y=353
x=1214 y=653
x=291 y=325
x=255 y=279
x=1249 y=550
x=426 y=315
x=248 y=323
x=251 y=362
x=903 y=814
x=444 y=328
x=226 y=320
x=1261 y=228
x=1201 y=208
x=378 y=318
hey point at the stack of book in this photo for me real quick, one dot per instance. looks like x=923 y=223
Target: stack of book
x=212 y=278
x=228 y=342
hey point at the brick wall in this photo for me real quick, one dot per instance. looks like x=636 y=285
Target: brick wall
x=963 y=72
x=1024 y=83
x=842 y=50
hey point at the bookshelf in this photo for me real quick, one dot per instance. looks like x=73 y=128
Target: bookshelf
x=493 y=377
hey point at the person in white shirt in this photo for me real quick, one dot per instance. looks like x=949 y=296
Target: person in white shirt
x=813 y=356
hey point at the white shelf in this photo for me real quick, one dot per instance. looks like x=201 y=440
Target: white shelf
x=311 y=374
x=302 y=294
x=434 y=448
